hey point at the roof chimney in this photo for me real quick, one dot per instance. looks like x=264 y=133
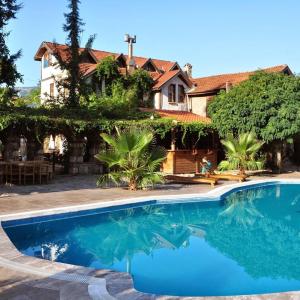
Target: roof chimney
x=188 y=69
x=228 y=86
x=130 y=40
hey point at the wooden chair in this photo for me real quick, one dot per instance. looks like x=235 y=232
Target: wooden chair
x=29 y=170
x=3 y=172
x=43 y=172
x=50 y=171
x=14 y=172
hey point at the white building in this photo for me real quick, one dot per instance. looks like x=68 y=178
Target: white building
x=174 y=88
x=171 y=82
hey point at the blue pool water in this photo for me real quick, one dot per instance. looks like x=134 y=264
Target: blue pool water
x=247 y=243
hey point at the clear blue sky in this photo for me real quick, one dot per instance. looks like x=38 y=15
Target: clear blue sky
x=215 y=36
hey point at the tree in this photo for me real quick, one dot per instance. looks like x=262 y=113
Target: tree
x=241 y=153
x=107 y=73
x=143 y=83
x=70 y=59
x=33 y=98
x=8 y=70
x=119 y=93
x=119 y=104
x=131 y=160
x=267 y=104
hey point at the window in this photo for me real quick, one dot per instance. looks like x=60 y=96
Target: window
x=172 y=93
x=47 y=60
x=51 y=89
x=181 y=93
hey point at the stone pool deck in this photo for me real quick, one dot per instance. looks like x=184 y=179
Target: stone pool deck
x=23 y=278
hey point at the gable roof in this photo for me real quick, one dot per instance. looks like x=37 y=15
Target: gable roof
x=164 y=69
x=99 y=54
x=167 y=76
x=48 y=46
x=213 y=84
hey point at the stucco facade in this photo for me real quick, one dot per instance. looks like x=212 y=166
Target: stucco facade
x=50 y=74
x=161 y=99
x=198 y=105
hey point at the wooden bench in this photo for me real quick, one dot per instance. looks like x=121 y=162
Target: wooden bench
x=239 y=178
x=192 y=180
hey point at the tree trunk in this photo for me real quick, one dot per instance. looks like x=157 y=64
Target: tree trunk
x=279 y=157
x=132 y=185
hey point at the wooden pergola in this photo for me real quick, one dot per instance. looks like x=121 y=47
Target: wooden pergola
x=187 y=159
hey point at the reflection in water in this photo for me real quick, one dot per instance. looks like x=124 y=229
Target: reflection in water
x=134 y=231
x=52 y=251
x=240 y=207
x=253 y=235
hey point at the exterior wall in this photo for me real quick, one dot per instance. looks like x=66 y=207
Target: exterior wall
x=49 y=75
x=199 y=105
x=161 y=100
x=157 y=100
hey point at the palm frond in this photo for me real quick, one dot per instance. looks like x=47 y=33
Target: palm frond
x=131 y=159
x=242 y=153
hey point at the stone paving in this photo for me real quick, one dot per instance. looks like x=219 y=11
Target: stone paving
x=76 y=190
x=24 y=278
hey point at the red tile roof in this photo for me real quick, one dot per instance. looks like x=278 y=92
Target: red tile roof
x=163 y=67
x=218 y=82
x=99 y=55
x=164 y=78
x=87 y=68
x=180 y=116
x=62 y=49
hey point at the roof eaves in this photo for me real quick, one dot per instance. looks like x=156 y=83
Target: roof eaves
x=43 y=45
x=164 y=82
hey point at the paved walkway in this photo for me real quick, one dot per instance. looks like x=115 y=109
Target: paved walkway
x=67 y=191
x=75 y=190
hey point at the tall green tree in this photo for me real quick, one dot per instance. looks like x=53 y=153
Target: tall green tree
x=70 y=59
x=267 y=104
x=8 y=70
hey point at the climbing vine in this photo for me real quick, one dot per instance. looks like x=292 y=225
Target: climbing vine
x=41 y=121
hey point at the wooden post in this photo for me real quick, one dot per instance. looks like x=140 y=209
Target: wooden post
x=173 y=139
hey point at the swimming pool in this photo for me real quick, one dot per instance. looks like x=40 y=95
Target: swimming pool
x=247 y=243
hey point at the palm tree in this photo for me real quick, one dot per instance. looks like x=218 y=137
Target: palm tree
x=242 y=153
x=132 y=160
